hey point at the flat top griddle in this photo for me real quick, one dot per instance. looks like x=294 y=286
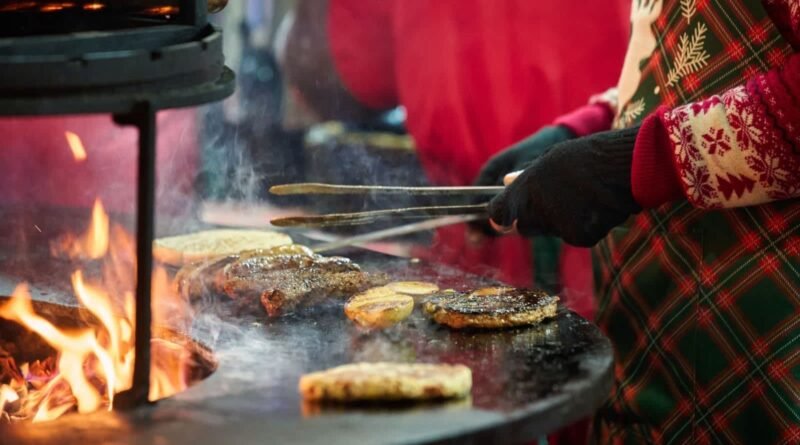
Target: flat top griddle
x=527 y=382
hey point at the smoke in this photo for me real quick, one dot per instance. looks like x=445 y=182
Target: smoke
x=227 y=170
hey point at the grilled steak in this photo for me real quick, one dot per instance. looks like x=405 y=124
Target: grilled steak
x=283 y=283
x=280 y=279
x=493 y=307
x=204 y=278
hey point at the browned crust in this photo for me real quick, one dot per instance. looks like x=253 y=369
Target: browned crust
x=489 y=321
x=491 y=308
x=387 y=381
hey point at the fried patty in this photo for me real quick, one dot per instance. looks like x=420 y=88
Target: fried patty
x=387 y=381
x=491 y=308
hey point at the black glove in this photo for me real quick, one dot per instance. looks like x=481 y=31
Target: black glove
x=519 y=155
x=515 y=158
x=578 y=191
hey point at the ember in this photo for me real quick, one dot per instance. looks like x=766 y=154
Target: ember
x=93 y=363
x=76 y=146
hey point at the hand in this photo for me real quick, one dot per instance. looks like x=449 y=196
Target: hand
x=514 y=158
x=578 y=191
x=519 y=155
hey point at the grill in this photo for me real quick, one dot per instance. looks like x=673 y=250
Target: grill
x=133 y=58
x=527 y=382
x=127 y=58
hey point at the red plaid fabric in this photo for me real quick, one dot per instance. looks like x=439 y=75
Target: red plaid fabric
x=703 y=306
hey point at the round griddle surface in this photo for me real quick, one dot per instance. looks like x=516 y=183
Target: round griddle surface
x=526 y=381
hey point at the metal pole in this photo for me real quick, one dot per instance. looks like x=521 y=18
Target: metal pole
x=144 y=118
x=193 y=12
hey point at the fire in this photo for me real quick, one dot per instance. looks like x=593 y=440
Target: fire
x=95 y=362
x=76 y=146
x=92 y=245
x=56 y=6
x=94 y=6
x=162 y=10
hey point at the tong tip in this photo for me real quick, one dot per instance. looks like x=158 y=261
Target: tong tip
x=284 y=222
x=282 y=189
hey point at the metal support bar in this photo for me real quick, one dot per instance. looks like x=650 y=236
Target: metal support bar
x=144 y=118
x=193 y=13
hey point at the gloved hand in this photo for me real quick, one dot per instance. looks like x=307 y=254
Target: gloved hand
x=514 y=158
x=519 y=155
x=579 y=190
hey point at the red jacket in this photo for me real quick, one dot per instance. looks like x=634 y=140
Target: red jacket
x=476 y=76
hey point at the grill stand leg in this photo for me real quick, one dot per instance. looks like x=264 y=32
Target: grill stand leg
x=144 y=119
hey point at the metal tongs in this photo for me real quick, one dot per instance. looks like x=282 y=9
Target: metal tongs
x=357 y=218
x=436 y=215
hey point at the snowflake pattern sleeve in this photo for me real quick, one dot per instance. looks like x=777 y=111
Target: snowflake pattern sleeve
x=734 y=149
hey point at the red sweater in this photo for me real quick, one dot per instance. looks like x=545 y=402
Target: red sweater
x=737 y=148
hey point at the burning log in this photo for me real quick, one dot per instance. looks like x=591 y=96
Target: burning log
x=9 y=372
x=90 y=358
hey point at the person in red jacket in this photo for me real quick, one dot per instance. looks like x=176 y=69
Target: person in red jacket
x=474 y=76
x=691 y=199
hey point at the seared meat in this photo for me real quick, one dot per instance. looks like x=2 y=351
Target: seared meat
x=492 y=307
x=279 y=279
x=204 y=278
x=285 y=282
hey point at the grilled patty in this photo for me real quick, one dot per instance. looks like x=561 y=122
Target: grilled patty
x=280 y=280
x=378 y=307
x=196 y=280
x=387 y=381
x=283 y=283
x=493 y=307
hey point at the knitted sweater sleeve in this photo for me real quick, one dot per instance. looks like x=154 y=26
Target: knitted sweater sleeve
x=738 y=148
x=594 y=117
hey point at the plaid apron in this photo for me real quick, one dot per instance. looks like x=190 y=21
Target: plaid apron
x=703 y=307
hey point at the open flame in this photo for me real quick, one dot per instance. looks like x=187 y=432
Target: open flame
x=96 y=362
x=96 y=6
x=76 y=146
x=91 y=245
